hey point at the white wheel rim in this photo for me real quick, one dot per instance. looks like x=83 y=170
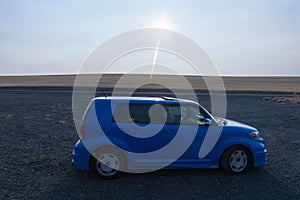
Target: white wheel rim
x=107 y=164
x=238 y=160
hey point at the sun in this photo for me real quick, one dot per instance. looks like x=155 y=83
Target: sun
x=162 y=23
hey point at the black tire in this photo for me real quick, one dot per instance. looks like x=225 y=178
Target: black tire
x=108 y=163
x=235 y=160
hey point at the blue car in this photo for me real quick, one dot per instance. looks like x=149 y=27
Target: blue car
x=141 y=134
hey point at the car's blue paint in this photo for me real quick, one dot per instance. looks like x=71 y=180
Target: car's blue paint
x=81 y=156
x=233 y=133
x=135 y=144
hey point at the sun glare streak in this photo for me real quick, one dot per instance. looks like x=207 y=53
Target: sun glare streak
x=154 y=60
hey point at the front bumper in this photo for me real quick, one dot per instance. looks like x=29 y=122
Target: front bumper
x=260 y=158
x=259 y=153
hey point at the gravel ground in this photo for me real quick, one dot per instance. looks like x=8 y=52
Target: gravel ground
x=38 y=134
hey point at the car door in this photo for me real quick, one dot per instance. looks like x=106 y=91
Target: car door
x=191 y=120
x=134 y=130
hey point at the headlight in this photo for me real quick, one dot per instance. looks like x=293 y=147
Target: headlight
x=254 y=134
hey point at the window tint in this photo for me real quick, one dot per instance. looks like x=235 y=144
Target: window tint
x=138 y=113
x=184 y=114
x=173 y=114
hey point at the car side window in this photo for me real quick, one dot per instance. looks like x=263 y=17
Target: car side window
x=184 y=114
x=120 y=114
x=139 y=114
x=175 y=114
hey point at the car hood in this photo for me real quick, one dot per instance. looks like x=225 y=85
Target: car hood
x=232 y=123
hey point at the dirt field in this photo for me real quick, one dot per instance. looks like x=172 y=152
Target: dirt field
x=38 y=134
x=266 y=84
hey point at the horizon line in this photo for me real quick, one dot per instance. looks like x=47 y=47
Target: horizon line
x=74 y=74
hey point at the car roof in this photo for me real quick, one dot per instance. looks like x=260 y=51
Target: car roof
x=146 y=99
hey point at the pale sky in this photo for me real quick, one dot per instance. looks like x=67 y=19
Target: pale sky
x=258 y=37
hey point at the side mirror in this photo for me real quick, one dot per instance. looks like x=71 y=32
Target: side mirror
x=207 y=121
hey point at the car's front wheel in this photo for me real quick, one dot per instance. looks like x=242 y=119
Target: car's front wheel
x=235 y=160
x=107 y=163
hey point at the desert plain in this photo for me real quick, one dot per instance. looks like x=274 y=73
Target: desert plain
x=38 y=134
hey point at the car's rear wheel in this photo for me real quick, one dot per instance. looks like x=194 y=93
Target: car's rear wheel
x=235 y=160
x=107 y=163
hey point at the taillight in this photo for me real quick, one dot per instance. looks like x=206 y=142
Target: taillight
x=81 y=132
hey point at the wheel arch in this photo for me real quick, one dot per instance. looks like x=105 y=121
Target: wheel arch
x=221 y=154
x=109 y=147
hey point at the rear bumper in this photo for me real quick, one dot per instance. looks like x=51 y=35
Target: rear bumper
x=80 y=156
